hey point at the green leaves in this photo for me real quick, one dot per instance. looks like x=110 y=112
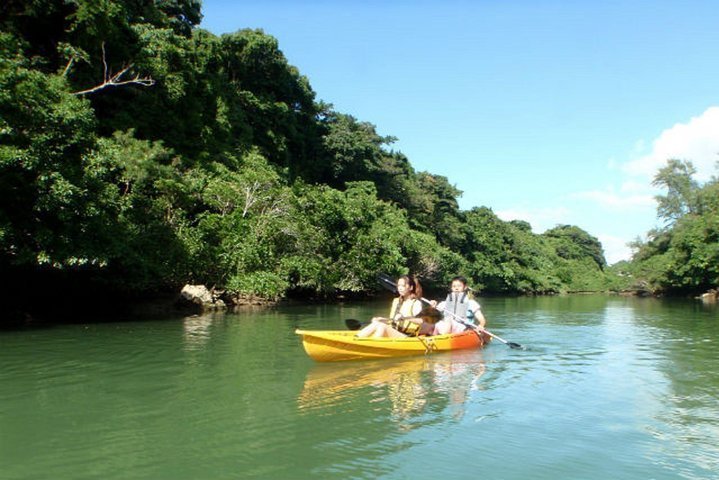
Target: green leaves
x=677 y=178
x=262 y=284
x=571 y=242
x=683 y=256
x=226 y=171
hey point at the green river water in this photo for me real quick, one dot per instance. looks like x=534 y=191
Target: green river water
x=607 y=388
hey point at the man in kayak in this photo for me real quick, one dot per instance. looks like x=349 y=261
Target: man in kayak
x=459 y=309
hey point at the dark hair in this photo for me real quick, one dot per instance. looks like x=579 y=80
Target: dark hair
x=430 y=315
x=459 y=278
x=415 y=287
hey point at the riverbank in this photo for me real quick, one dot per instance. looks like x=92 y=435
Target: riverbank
x=78 y=303
x=40 y=304
x=52 y=296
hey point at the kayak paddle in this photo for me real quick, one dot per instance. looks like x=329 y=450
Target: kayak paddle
x=353 y=324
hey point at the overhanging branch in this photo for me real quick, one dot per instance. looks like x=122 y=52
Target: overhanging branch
x=116 y=79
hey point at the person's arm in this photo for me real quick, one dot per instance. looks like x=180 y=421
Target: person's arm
x=416 y=307
x=477 y=313
x=439 y=306
x=393 y=309
x=479 y=316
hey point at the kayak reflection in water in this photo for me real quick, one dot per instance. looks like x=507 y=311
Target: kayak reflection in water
x=441 y=387
x=404 y=390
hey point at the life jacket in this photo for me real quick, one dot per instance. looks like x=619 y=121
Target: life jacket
x=403 y=308
x=407 y=327
x=458 y=304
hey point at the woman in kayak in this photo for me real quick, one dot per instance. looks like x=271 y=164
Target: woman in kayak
x=459 y=308
x=404 y=316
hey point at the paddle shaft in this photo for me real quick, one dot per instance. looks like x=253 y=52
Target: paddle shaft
x=475 y=327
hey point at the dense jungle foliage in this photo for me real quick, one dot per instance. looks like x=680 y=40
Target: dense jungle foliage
x=139 y=152
x=682 y=257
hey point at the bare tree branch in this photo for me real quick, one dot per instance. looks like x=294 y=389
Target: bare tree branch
x=68 y=66
x=250 y=197
x=115 y=79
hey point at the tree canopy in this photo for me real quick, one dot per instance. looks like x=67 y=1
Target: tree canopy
x=683 y=256
x=143 y=152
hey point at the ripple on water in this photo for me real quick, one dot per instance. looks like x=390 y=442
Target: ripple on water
x=596 y=393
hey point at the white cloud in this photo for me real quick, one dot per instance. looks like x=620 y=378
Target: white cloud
x=615 y=248
x=697 y=141
x=630 y=195
x=541 y=219
x=632 y=186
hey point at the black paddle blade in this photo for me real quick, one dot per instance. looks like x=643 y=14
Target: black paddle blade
x=387 y=282
x=353 y=324
x=515 y=345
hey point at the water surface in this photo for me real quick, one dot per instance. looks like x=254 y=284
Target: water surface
x=607 y=387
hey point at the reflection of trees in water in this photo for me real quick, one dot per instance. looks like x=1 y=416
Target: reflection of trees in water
x=543 y=306
x=669 y=350
x=412 y=392
x=691 y=414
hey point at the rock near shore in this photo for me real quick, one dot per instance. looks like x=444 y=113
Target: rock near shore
x=712 y=296
x=200 y=296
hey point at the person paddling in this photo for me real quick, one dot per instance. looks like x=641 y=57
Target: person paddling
x=458 y=305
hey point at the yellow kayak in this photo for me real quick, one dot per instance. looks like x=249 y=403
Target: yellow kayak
x=337 y=345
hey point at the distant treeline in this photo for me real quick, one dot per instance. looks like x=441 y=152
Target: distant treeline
x=139 y=153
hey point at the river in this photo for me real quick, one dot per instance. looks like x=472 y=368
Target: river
x=606 y=387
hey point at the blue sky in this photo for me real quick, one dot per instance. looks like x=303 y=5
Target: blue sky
x=552 y=112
